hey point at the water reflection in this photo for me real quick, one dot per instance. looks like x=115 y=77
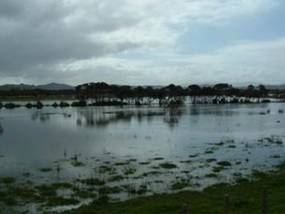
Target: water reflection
x=173 y=116
x=104 y=117
x=101 y=118
x=93 y=117
x=40 y=116
x=229 y=109
x=1 y=130
x=130 y=130
x=49 y=133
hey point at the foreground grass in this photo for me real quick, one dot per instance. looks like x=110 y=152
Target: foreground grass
x=245 y=197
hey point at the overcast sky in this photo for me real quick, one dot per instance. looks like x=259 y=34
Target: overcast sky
x=142 y=41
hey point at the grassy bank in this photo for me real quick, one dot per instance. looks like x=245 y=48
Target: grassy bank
x=245 y=197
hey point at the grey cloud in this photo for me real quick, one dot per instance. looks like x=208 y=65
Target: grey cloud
x=9 y=8
x=38 y=33
x=30 y=47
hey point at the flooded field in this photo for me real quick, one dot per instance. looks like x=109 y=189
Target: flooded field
x=70 y=156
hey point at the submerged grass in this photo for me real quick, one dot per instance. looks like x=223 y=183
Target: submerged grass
x=92 y=182
x=167 y=165
x=76 y=163
x=109 y=190
x=46 y=169
x=245 y=197
x=180 y=184
x=129 y=171
x=116 y=178
x=61 y=201
x=224 y=163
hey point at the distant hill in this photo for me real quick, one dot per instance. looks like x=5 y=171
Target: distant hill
x=10 y=87
x=59 y=86
x=276 y=87
x=268 y=86
x=47 y=87
x=55 y=87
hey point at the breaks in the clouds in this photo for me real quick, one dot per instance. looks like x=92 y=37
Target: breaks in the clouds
x=132 y=42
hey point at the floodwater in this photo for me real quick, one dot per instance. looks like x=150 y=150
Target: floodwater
x=193 y=138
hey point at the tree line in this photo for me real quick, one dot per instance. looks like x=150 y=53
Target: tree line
x=101 y=93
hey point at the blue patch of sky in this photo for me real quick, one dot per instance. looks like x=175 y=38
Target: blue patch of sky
x=202 y=38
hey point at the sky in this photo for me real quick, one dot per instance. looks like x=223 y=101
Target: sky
x=145 y=42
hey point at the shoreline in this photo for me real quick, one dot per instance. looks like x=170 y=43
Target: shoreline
x=76 y=103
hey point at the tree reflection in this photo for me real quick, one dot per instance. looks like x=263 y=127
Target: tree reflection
x=173 y=116
x=93 y=117
x=1 y=130
x=40 y=116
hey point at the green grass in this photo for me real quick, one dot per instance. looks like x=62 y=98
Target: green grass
x=158 y=158
x=218 y=169
x=64 y=185
x=129 y=171
x=7 y=180
x=209 y=152
x=121 y=163
x=210 y=160
x=116 y=178
x=7 y=199
x=106 y=169
x=145 y=174
x=46 y=169
x=144 y=163
x=76 y=163
x=181 y=184
x=142 y=189
x=186 y=161
x=167 y=165
x=245 y=197
x=46 y=191
x=211 y=175
x=92 y=182
x=224 y=163
x=61 y=201
x=84 y=194
x=109 y=190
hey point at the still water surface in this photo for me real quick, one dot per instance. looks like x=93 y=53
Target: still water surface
x=32 y=139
